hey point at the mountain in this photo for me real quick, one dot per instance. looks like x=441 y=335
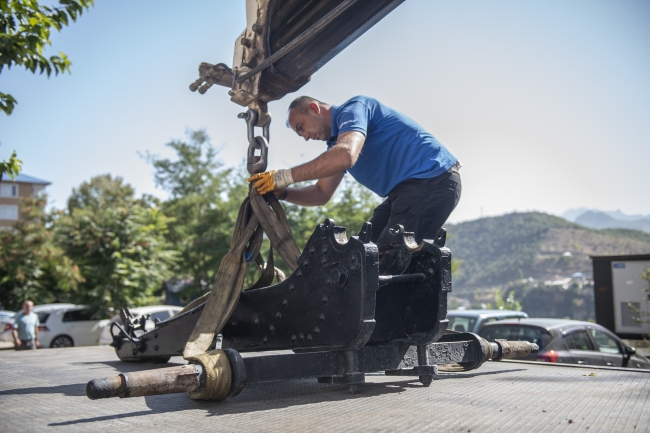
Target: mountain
x=601 y=220
x=496 y=250
x=597 y=219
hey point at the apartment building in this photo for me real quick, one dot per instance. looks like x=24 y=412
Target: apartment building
x=10 y=194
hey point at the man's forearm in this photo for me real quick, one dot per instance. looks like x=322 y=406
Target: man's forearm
x=308 y=196
x=15 y=335
x=336 y=160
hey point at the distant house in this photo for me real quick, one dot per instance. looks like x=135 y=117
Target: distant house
x=10 y=194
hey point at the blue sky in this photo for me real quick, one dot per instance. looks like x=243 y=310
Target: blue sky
x=547 y=104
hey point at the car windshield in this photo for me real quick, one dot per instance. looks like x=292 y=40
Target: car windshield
x=532 y=334
x=461 y=323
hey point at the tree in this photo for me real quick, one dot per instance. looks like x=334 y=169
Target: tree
x=31 y=265
x=509 y=303
x=118 y=242
x=204 y=198
x=102 y=191
x=11 y=167
x=25 y=27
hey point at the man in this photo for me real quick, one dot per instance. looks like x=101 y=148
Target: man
x=25 y=329
x=383 y=150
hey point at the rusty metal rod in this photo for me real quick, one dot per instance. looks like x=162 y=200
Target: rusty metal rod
x=184 y=378
x=505 y=349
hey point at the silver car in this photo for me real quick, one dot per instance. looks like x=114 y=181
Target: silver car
x=567 y=341
x=473 y=320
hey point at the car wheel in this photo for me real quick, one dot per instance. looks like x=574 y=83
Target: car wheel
x=62 y=341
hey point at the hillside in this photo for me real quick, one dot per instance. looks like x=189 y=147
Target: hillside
x=496 y=250
x=601 y=220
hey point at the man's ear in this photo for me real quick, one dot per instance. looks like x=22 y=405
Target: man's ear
x=314 y=108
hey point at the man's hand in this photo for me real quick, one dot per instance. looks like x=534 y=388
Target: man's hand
x=271 y=180
x=18 y=343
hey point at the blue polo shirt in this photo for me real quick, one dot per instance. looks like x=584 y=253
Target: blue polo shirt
x=396 y=148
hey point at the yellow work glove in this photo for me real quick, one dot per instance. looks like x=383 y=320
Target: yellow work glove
x=271 y=180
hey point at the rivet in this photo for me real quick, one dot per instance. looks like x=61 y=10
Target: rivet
x=293 y=338
x=233 y=323
x=305 y=263
x=309 y=337
x=328 y=281
x=256 y=321
x=312 y=250
x=321 y=316
x=265 y=340
x=301 y=336
x=278 y=315
x=324 y=299
x=299 y=273
x=285 y=303
x=272 y=329
x=135 y=351
x=155 y=347
x=316 y=330
x=292 y=287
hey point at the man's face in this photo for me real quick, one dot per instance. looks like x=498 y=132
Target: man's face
x=313 y=125
x=28 y=307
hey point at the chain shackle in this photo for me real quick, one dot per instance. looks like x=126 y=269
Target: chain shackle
x=256 y=163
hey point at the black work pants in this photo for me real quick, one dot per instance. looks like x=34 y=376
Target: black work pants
x=420 y=205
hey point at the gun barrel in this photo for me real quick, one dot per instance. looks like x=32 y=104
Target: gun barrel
x=505 y=349
x=184 y=378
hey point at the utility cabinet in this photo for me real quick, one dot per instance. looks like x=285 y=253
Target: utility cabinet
x=621 y=295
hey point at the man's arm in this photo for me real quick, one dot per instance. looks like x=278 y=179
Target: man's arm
x=17 y=342
x=333 y=162
x=315 y=195
x=36 y=334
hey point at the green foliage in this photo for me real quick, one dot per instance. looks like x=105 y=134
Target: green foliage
x=31 y=265
x=497 y=250
x=204 y=198
x=101 y=192
x=118 y=242
x=509 y=303
x=25 y=27
x=541 y=300
x=11 y=167
x=627 y=234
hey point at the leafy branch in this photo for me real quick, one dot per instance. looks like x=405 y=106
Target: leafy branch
x=25 y=28
x=11 y=167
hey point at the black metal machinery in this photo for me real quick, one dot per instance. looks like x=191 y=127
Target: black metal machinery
x=345 y=311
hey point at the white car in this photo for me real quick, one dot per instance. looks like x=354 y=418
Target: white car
x=67 y=325
x=6 y=324
x=157 y=312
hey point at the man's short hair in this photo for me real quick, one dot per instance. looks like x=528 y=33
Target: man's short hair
x=301 y=104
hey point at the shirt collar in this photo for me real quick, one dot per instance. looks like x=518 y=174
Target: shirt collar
x=334 y=128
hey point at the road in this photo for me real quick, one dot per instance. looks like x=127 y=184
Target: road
x=45 y=391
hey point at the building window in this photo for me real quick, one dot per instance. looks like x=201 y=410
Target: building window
x=8 y=190
x=8 y=212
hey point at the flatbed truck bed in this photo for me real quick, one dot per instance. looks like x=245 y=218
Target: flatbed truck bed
x=45 y=391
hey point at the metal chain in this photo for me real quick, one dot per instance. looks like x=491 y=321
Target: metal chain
x=256 y=163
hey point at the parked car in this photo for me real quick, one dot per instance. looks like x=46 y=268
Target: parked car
x=67 y=325
x=157 y=313
x=6 y=324
x=473 y=320
x=567 y=341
